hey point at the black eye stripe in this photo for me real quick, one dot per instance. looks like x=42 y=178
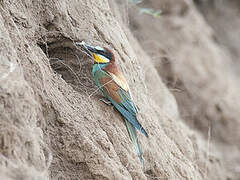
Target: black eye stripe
x=105 y=54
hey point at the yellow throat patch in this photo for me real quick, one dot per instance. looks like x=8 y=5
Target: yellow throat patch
x=100 y=59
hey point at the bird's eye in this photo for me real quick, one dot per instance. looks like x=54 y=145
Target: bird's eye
x=99 y=48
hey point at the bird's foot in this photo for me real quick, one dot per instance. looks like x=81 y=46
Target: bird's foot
x=107 y=102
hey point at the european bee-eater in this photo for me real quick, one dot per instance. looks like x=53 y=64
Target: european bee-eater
x=115 y=87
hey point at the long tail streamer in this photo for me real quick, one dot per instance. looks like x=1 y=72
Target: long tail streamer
x=133 y=135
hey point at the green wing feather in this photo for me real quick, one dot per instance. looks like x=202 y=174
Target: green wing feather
x=127 y=101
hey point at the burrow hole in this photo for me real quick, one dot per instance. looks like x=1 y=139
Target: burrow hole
x=71 y=63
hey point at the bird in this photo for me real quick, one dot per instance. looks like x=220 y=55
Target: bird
x=110 y=80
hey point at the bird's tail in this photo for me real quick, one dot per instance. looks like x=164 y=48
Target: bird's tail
x=133 y=135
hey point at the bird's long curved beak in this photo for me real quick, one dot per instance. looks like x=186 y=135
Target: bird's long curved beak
x=89 y=49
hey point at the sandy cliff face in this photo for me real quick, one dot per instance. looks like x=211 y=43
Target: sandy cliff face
x=53 y=125
x=197 y=68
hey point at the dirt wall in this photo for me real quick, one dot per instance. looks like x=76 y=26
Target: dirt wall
x=53 y=125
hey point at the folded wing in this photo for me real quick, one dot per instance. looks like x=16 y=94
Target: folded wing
x=116 y=90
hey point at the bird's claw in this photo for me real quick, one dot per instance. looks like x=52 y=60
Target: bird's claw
x=107 y=102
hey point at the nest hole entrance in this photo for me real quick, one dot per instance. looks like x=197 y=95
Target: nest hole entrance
x=72 y=64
